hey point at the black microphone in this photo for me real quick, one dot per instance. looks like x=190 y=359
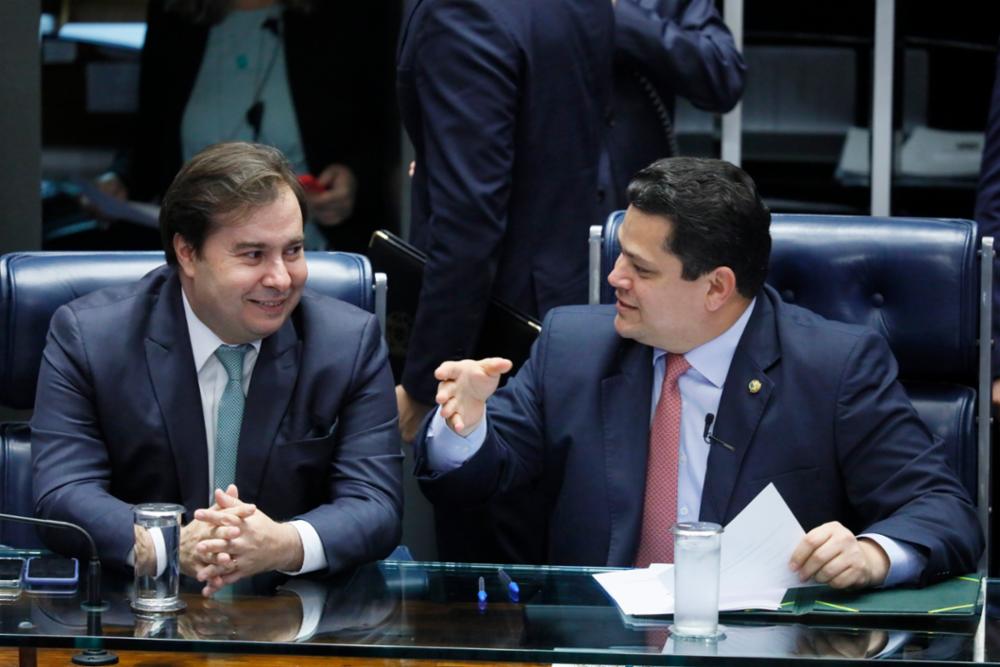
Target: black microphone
x=710 y=436
x=94 y=566
x=94 y=605
x=272 y=25
x=255 y=114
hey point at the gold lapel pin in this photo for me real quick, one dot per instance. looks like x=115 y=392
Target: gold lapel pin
x=753 y=386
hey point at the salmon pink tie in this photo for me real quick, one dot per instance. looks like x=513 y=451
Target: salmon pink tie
x=659 y=511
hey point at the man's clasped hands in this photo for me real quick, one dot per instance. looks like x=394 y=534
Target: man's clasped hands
x=228 y=541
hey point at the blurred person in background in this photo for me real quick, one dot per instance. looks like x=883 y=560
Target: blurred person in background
x=314 y=79
x=505 y=105
x=663 y=49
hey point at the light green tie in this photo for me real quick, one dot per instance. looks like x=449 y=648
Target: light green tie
x=227 y=429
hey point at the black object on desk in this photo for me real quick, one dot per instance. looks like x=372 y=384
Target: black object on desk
x=93 y=605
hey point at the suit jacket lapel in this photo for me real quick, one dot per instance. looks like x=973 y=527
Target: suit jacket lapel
x=745 y=395
x=175 y=384
x=625 y=404
x=271 y=386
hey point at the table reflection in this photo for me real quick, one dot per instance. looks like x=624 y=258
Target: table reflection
x=401 y=610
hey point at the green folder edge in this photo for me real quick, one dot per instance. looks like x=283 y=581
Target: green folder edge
x=957 y=597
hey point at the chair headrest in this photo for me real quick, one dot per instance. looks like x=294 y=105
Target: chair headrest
x=914 y=280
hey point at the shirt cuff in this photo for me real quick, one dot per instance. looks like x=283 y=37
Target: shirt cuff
x=447 y=450
x=313 y=555
x=159 y=547
x=905 y=561
x=312 y=596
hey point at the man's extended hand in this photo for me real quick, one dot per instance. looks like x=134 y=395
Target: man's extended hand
x=411 y=413
x=996 y=392
x=260 y=545
x=464 y=387
x=833 y=555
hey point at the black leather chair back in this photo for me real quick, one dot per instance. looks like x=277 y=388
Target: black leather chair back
x=15 y=492
x=34 y=284
x=914 y=280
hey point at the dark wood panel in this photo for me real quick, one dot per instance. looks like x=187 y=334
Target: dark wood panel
x=62 y=657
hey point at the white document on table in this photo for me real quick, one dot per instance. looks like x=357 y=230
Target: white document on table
x=753 y=570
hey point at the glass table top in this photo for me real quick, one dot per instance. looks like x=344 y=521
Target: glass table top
x=405 y=609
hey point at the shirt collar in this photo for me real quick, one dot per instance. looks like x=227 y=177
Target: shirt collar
x=712 y=359
x=204 y=342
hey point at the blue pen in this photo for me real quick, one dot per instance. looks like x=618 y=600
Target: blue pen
x=481 y=595
x=513 y=590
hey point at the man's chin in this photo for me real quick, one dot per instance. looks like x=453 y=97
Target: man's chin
x=623 y=328
x=262 y=326
x=264 y=329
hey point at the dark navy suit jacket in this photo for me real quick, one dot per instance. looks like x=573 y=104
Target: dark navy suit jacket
x=118 y=421
x=504 y=102
x=830 y=427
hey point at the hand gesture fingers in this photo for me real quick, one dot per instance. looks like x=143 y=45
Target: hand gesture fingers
x=464 y=388
x=228 y=509
x=233 y=517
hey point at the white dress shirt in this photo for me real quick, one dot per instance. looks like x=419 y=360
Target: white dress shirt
x=212 y=380
x=701 y=392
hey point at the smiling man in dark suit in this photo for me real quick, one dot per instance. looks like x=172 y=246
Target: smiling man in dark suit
x=610 y=414
x=220 y=382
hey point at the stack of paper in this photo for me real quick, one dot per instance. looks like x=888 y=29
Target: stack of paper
x=936 y=153
x=753 y=572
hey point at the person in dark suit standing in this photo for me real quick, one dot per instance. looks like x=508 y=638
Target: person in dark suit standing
x=219 y=382
x=664 y=49
x=504 y=103
x=698 y=389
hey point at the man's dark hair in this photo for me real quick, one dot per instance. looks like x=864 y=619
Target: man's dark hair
x=718 y=219
x=222 y=180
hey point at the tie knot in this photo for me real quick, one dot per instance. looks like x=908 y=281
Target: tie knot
x=677 y=365
x=231 y=357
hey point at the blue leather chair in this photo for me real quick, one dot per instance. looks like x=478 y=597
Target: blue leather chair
x=34 y=284
x=917 y=281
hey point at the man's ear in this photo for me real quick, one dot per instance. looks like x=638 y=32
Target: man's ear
x=721 y=288
x=185 y=255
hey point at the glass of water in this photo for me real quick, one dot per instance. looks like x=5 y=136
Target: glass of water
x=157 y=557
x=697 y=547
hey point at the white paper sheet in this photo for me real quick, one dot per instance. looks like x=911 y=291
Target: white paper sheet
x=754 y=573
x=757 y=545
